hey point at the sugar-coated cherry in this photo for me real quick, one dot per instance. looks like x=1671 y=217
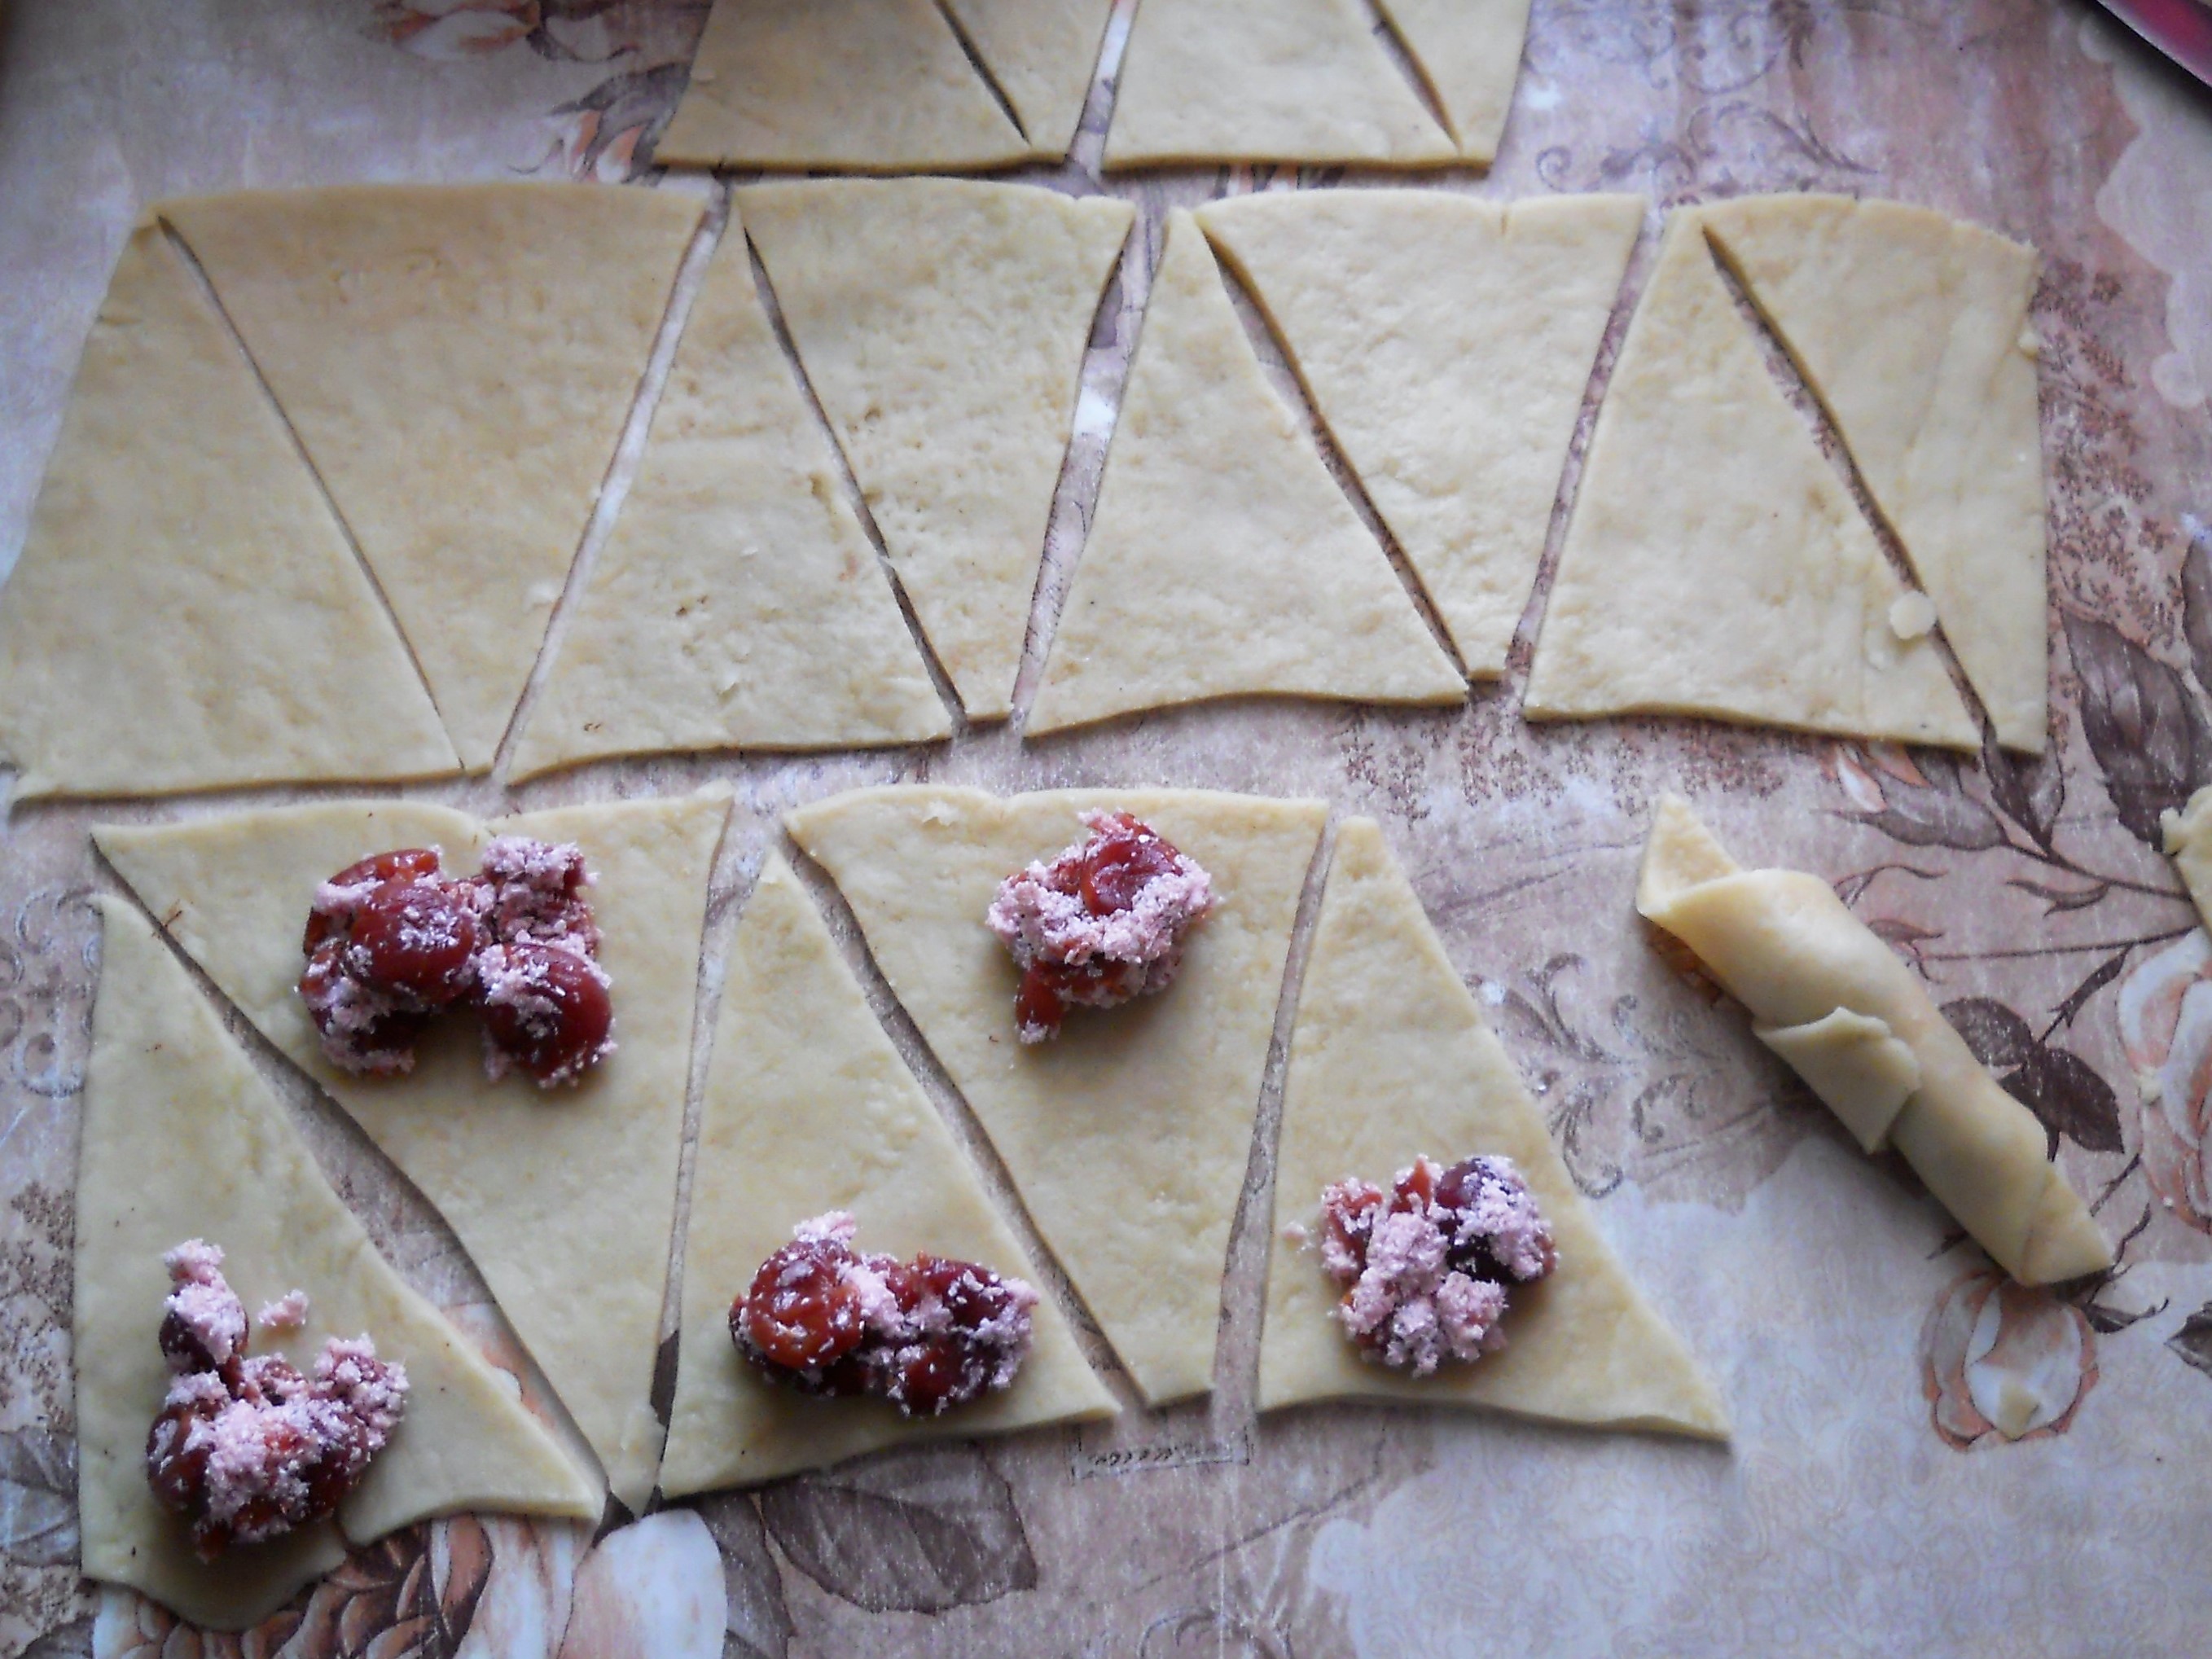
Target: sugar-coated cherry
x=801 y=1313
x=415 y=938
x=558 y=1023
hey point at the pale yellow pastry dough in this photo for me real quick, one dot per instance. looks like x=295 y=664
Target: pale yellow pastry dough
x=738 y=604
x=460 y=361
x=1785 y=946
x=807 y=1115
x=2188 y=835
x=186 y=614
x=1447 y=341
x=1469 y=53
x=1716 y=564
x=1389 y=1060
x=942 y=323
x=1913 y=330
x=566 y=1201
x=182 y=1141
x=1043 y=54
x=1265 y=81
x=865 y=86
x=1223 y=559
x=1128 y=1135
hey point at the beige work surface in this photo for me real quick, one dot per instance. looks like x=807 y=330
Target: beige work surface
x=1865 y=1503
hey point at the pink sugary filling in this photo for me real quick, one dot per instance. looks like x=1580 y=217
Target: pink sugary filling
x=533 y=893
x=249 y=1449
x=526 y=892
x=1426 y=1267
x=287 y=1313
x=901 y=1334
x=1040 y=915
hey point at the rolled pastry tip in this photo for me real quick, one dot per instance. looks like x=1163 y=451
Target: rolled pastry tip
x=1835 y=1002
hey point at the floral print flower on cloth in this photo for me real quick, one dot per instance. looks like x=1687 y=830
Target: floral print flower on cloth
x=2166 y=1026
x=2000 y=1359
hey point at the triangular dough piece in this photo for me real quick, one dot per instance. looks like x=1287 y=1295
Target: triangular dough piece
x=1128 y=1135
x=868 y=85
x=1447 y=341
x=566 y=1201
x=1913 y=330
x=1265 y=81
x=1715 y=565
x=1469 y=53
x=182 y=1140
x=186 y=614
x=1045 y=55
x=803 y=1116
x=1223 y=558
x=460 y=361
x=738 y=604
x=1389 y=1059
x=942 y=323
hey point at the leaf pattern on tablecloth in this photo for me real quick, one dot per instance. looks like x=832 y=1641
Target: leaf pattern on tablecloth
x=2061 y=1088
x=38 y=1497
x=759 y=1619
x=2150 y=737
x=915 y=1531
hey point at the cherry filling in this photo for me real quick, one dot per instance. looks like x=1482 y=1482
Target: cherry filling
x=1101 y=924
x=926 y=1334
x=391 y=941
x=247 y=1449
x=1427 y=1266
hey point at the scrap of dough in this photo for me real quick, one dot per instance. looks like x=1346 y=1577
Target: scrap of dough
x=1447 y=341
x=459 y=362
x=1223 y=559
x=1856 y=1064
x=1390 y=1059
x=803 y=1116
x=943 y=323
x=2188 y=835
x=564 y=1200
x=186 y=614
x=1128 y=1136
x=182 y=1140
x=1715 y=565
x=1264 y=81
x=738 y=604
x=1784 y=946
x=1912 y=329
x=864 y=86
x=1469 y=53
x=1043 y=54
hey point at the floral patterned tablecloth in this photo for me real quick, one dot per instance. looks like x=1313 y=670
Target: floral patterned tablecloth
x=1866 y=1504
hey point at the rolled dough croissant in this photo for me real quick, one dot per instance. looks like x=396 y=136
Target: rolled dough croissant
x=1834 y=1002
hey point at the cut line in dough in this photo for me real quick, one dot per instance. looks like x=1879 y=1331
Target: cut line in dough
x=1913 y=330
x=1785 y=946
x=1206 y=81
x=182 y=1139
x=1469 y=53
x=565 y=1200
x=1222 y=560
x=1043 y=54
x=186 y=614
x=801 y=1117
x=943 y=324
x=863 y=86
x=1128 y=1137
x=459 y=362
x=738 y=604
x=1715 y=564
x=1390 y=1059
x=1447 y=341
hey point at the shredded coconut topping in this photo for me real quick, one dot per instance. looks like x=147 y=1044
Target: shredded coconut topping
x=245 y=1449
x=1427 y=1267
